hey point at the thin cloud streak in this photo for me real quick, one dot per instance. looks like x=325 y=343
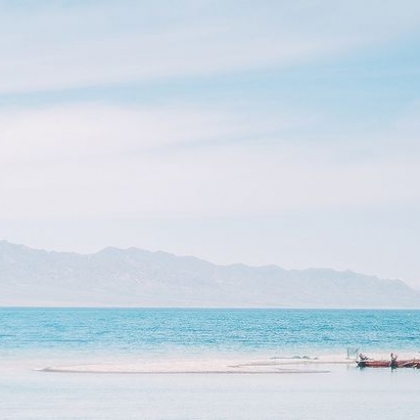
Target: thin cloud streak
x=90 y=130
x=104 y=161
x=78 y=46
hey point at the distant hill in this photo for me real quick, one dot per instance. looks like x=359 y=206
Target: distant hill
x=134 y=277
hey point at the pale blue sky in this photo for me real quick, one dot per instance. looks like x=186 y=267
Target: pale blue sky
x=258 y=132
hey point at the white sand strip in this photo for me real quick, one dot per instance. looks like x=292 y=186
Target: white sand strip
x=294 y=364
x=192 y=366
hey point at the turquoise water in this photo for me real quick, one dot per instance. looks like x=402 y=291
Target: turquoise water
x=206 y=330
x=34 y=338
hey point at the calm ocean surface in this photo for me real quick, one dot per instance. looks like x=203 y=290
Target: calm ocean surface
x=200 y=330
x=35 y=338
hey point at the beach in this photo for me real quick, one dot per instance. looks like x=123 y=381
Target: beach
x=339 y=390
x=205 y=364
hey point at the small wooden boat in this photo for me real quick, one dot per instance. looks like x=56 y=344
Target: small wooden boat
x=413 y=363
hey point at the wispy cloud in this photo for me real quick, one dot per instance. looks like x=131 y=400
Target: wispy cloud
x=294 y=111
x=95 y=130
x=98 y=160
x=54 y=46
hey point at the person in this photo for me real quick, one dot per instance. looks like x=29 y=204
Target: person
x=393 y=360
x=362 y=357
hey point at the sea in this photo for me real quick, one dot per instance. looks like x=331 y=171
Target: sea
x=90 y=363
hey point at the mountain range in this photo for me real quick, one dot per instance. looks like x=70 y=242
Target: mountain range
x=133 y=277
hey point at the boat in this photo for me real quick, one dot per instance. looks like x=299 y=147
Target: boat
x=412 y=363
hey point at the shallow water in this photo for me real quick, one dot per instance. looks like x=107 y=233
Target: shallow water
x=33 y=339
x=345 y=393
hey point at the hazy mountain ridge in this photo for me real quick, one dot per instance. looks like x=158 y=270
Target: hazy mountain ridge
x=134 y=277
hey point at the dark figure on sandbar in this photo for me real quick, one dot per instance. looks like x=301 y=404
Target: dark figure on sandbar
x=394 y=363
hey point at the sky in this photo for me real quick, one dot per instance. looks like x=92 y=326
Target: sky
x=270 y=132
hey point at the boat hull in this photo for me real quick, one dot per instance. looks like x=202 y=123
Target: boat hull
x=388 y=364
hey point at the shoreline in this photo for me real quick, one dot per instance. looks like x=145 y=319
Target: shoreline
x=213 y=365
x=186 y=363
x=203 y=365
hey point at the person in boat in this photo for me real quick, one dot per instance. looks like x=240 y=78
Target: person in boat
x=394 y=358
x=362 y=357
